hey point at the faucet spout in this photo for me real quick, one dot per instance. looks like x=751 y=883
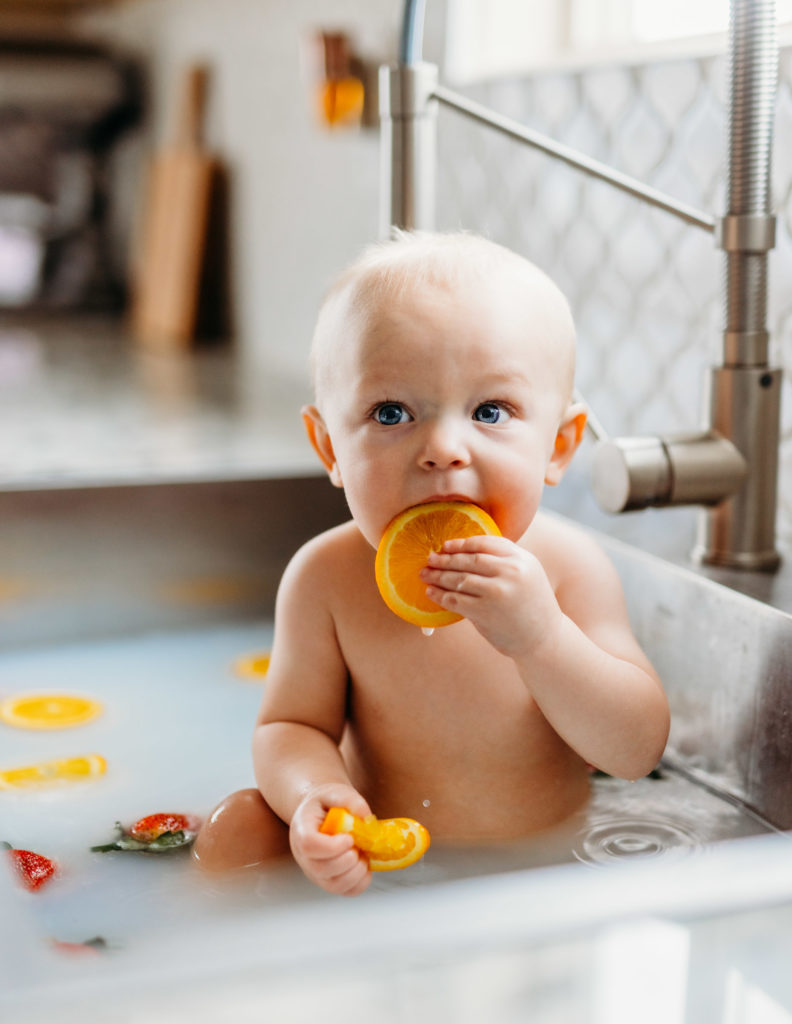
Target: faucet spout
x=631 y=473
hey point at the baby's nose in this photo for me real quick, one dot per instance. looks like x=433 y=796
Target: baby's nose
x=444 y=447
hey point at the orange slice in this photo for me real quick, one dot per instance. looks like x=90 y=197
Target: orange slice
x=50 y=773
x=252 y=666
x=404 y=550
x=48 y=710
x=389 y=843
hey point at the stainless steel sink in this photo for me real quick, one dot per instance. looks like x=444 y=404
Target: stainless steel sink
x=83 y=563
x=104 y=568
x=726 y=661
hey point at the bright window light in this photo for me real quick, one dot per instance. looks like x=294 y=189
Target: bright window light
x=675 y=19
x=495 y=38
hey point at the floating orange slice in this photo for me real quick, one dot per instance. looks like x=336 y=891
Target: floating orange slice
x=404 y=550
x=51 y=773
x=48 y=710
x=252 y=666
x=389 y=843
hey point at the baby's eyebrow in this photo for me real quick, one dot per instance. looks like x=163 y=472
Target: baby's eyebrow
x=500 y=378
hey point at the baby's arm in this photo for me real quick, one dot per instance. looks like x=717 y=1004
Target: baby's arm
x=573 y=645
x=297 y=762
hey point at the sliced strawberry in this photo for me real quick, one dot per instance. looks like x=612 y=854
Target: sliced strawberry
x=33 y=869
x=156 y=833
x=91 y=946
x=147 y=829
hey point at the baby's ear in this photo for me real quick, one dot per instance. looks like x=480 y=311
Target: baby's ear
x=319 y=437
x=567 y=441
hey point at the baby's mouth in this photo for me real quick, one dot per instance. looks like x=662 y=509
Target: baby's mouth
x=451 y=497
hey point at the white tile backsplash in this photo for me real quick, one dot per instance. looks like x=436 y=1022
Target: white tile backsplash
x=646 y=289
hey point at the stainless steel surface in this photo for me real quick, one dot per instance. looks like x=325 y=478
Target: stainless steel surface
x=746 y=392
x=726 y=662
x=635 y=472
x=85 y=563
x=746 y=408
x=208 y=548
x=630 y=473
x=408 y=140
x=81 y=563
x=411 y=38
x=81 y=404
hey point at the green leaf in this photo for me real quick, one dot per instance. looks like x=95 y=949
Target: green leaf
x=166 y=843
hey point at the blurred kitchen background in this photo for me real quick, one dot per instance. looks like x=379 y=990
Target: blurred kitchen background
x=277 y=98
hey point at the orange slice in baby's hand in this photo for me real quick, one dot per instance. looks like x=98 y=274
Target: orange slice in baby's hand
x=404 y=551
x=50 y=773
x=388 y=843
x=48 y=710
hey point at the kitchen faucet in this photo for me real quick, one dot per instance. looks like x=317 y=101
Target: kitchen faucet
x=731 y=465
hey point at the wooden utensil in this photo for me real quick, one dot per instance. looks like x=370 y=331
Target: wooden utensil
x=175 y=217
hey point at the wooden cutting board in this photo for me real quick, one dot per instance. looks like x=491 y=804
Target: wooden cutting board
x=167 y=275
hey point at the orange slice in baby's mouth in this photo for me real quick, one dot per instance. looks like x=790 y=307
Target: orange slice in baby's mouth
x=388 y=843
x=404 y=550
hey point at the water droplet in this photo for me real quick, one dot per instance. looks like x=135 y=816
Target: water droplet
x=426 y=803
x=427 y=630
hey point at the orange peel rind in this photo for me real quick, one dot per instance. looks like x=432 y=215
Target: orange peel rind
x=252 y=666
x=388 y=843
x=84 y=768
x=405 y=547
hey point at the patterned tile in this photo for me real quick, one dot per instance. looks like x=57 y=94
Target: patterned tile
x=646 y=289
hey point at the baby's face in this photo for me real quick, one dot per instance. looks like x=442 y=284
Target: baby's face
x=448 y=396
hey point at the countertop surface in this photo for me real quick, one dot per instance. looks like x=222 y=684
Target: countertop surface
x=82 y=405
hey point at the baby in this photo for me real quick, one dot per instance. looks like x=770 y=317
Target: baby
x=443 y=370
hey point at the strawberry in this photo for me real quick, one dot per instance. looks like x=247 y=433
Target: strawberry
x=33 y=869
x=147 y=829
x=91 y=946
x=156 y=833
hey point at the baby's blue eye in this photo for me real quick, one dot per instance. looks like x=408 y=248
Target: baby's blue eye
x=490 y=412
x=391 y=413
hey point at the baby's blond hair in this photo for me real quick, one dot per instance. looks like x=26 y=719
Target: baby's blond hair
x=443 y=262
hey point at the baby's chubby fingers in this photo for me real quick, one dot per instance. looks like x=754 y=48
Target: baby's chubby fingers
x=480 y=544
x=331 y=862
x=345 y=873
x=350 y=875
x=461 y=561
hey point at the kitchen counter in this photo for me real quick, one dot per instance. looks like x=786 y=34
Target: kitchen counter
x=81 y=405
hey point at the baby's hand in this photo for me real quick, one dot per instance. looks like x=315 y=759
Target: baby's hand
x=331 y=862
x=499 y=586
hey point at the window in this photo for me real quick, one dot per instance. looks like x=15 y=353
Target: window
x=495 y=38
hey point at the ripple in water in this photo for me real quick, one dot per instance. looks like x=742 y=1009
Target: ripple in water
x=616 y=838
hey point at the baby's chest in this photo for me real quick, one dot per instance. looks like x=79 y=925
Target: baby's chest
x=453 y=670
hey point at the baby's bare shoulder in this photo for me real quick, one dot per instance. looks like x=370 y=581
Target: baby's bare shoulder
x=327 y=560
x=569 y=554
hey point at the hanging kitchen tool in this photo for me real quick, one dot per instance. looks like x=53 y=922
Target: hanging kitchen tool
x=167 y=278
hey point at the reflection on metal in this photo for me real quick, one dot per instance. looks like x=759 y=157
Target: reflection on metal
x=726 y=662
